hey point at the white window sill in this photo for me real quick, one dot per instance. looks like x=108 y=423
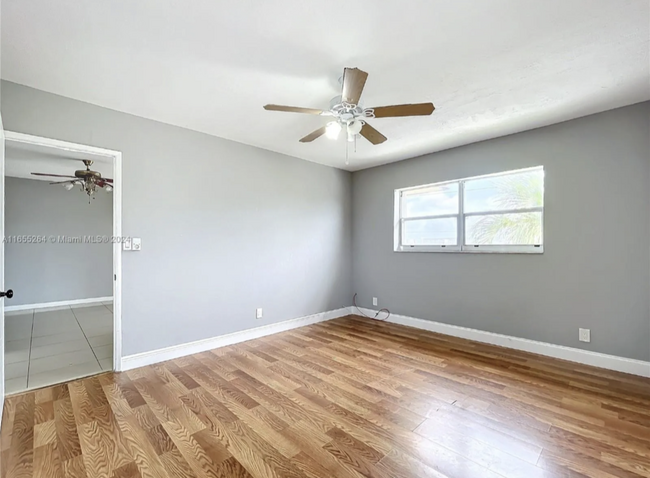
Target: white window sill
x=473 y=250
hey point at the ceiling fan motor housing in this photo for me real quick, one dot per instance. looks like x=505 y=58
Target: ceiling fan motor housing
x=86 y=173
x=346 y=112
x=349 y=116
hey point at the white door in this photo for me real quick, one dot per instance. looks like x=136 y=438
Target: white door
x=2 y=266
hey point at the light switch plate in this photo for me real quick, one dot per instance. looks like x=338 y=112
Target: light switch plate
x=126 y=244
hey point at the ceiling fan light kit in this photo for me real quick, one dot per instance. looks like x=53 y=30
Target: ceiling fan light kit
x=348 y=113
x=354 y=127
x=333 y=129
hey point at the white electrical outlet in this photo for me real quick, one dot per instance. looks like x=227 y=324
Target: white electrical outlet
x=374 y=301
x=258 y=313
x=584 y=335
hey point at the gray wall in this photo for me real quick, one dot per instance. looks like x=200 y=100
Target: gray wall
x=225 y=227
x=53 y=271
x=594 y=272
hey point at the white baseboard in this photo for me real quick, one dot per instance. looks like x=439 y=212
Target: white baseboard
x=147 y=358
x=62 y=303
x=596 y=359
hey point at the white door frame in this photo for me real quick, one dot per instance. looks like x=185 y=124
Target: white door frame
x=116 y=158
x=2 y=269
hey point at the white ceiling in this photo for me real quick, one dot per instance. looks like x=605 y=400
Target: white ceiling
x=491 y=68
x=21 y=160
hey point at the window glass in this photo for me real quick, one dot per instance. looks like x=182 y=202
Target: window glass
x=523 y=190
x=430 y=232
x=524 y=228
x=431 y=201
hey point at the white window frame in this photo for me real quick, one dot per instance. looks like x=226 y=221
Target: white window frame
x=460 y=246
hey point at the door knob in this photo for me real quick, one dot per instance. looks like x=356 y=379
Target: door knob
x=9 y=294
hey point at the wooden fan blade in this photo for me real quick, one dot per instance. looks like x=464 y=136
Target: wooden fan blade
x=65 y=182
x=372 y=135
x=354 y=80
x=293 y=109
x=108 y=180
x=419 y=109
x=54 y=175
x=313 y=135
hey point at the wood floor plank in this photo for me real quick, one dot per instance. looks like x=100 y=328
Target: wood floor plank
x=159 y=439
x=115 y=398
x=8 y=415
x=114 y=444
x=43 y=412
x=43 y=395
x=256 y=455
x=74 y=468
x=21 y=456
x=44 y=433
x=66 y=428
x=47 y=462
x=231 y=468
x=194 y=454
x=130 y=392
x=347 y=398
x=140 y=448
x=130 y=470
x=176 y=465
x=94 y=455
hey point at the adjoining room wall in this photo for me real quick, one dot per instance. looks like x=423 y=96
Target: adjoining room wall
x=225 y=227
x=594 y=273
x=55 y=271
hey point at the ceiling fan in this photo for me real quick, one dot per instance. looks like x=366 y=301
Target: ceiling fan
x=348 y=113
x=87 y=179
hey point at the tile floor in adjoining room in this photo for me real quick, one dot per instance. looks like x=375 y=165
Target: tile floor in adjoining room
x=48 y=346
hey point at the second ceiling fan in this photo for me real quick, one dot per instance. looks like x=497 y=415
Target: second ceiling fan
x=348 y=114
x=87 y=179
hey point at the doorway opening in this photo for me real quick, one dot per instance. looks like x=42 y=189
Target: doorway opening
x=62 y=261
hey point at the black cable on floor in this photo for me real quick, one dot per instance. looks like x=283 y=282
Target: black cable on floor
x=354 y=300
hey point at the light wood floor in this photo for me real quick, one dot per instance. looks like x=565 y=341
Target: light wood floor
x=345 y=398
